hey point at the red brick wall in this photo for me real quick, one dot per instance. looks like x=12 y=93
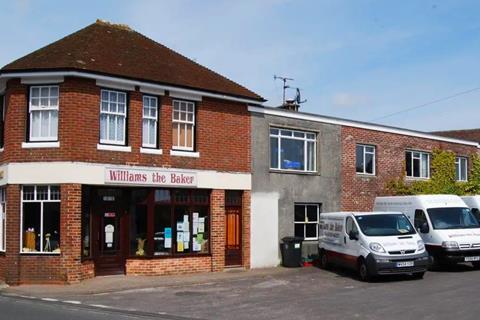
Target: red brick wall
x=2 y=267
x=359 y=192
x=222 y=131
x=246 y=229
x=168 y=266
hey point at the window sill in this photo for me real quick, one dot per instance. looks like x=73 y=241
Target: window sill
x=307 y=173
x=109 y=147
x=189 y=154
x=365 y=175
x=416 y=179
x=151 y=151
x=32 y=145
x=1 y=149
x=40 y=253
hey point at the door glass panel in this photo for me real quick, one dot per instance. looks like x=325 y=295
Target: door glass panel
x=110 y=230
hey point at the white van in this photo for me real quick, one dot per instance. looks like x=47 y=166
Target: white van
x=450 y=231
x=473 y=202
x=373 y=243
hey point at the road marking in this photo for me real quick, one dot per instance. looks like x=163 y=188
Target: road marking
x=72 y=302
x=100 y=306
x=49 y=299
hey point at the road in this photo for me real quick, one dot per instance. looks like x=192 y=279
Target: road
x=307 y=293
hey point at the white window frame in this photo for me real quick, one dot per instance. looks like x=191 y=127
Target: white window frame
x=458 y=168
x=42 y=201
x=177 y=108
x=304 y=223
x=305 y=140
x=116 y=114
x=149 y=118
x=3 y=219
x=38 y=108
x=418 y=155
x=364 y=153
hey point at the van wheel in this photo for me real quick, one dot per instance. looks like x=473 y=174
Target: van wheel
x=476 y=264
x=363 y=271
x=418 y=275
x=324 y=264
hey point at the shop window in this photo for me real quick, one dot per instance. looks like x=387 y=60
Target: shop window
x=3 y=207
x=113 y=117
x=86 y=223
x=461 y=169
x=41 y=219
x=292 y=150
x=150 y=122
x=306 y=221
x=365 y=159
x=180 y=220
x=183 y=125
x=43 y=110
x=417 y=164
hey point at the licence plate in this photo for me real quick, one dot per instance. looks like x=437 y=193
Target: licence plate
x=405 y=264
x=469 y=259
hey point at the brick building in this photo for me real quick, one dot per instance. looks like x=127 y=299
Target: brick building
x=121 y=156
x=304 y=164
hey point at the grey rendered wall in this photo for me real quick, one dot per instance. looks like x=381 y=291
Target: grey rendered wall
x=323 y=187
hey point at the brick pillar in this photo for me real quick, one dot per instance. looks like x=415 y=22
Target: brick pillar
x=246 y=229
x=70 y=231
x=12 y=256
x=217 y=237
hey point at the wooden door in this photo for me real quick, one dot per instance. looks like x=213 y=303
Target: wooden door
x=233 y=241
x=108 y=248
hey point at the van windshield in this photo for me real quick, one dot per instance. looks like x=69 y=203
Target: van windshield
x=382 y=225
x=452 y=218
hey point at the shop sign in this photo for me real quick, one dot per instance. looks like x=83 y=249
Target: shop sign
x=150 y=177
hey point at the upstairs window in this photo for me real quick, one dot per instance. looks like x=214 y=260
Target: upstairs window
x=292 y=150
x=461 y=169
x=113 y=117
x=417 y=164
x=365 y=159
x=183 y=125
x=2 y=120
x=150 y=121
x=43 y=110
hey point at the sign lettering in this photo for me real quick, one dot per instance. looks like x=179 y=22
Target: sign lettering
x=150 y=177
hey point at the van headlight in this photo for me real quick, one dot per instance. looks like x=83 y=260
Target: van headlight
x=450 y=244
x=420 y=245
x=377 y=247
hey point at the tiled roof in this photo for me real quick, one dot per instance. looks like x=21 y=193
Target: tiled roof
x=117 y=50
x=469 y=134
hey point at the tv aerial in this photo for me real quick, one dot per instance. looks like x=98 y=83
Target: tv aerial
x=298 y=97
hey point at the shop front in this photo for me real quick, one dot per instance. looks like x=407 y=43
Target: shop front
x=185 y=221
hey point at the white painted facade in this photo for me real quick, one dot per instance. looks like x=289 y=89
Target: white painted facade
x=264 y=230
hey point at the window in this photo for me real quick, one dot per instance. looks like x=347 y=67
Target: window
x=476 y=214
x=306 y=221
x=179 y=221
x=417 y=164
x=43 y=109
x=292 y=150
x=183 y=124
x=2 y=120
x=365 y=159
x=420 y=219
x=150 y=119
x=113 y=117
x=3 y=208
x=41 y=219
x=350 y=226
x=461 y=169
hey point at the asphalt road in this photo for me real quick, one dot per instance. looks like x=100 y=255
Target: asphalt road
x=307 y=293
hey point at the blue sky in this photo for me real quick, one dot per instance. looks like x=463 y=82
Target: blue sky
x=354 y=59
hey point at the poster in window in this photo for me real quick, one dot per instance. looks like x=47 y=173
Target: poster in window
x=168 y=238
x=179 y=237
x=179 y=226
x=196 y=246
x=180 y=246
x=201 y=225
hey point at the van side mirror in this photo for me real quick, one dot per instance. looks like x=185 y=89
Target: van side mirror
x=352 y=235
x=424 y=228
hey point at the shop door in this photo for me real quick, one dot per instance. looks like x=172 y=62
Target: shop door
x=233 y=230
x=108 y=249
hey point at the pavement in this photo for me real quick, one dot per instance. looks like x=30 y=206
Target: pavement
x=278 y=293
